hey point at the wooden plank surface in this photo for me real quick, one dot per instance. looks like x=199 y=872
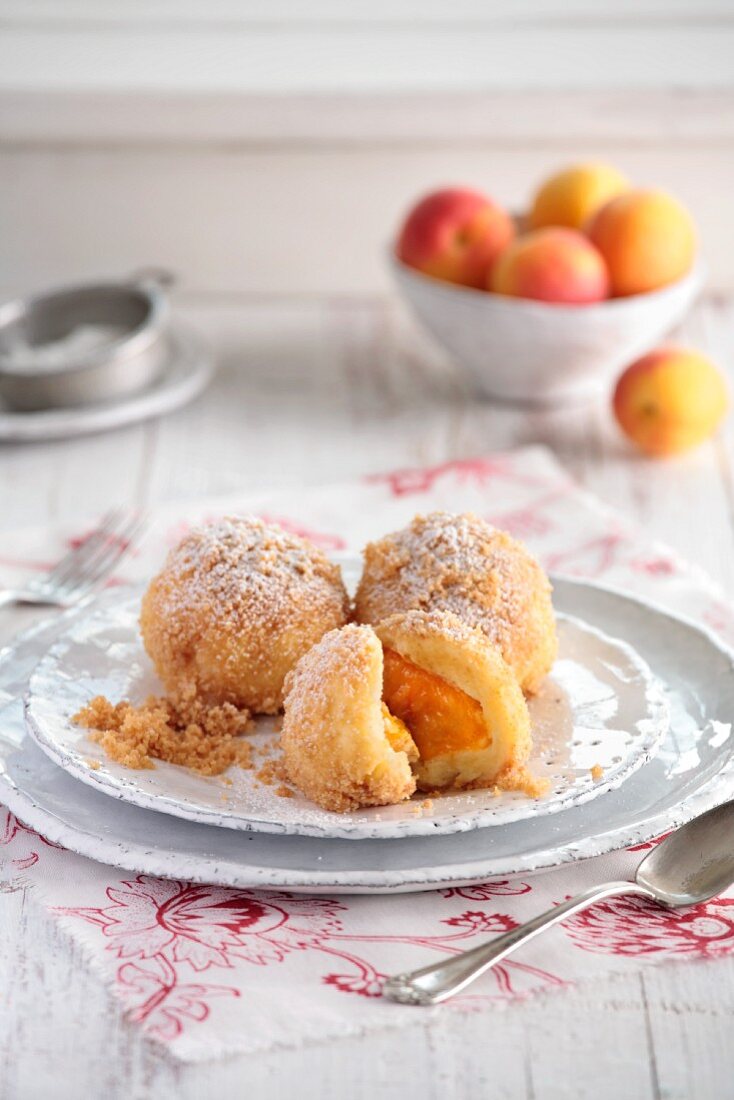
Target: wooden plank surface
x=308 y=391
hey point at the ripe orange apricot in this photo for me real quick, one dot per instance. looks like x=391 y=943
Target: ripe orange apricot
x=647 y=238
x=670 y=400
x=570 y=197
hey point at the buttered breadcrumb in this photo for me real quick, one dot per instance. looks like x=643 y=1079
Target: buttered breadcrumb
x=271 y=772
x=207 y=739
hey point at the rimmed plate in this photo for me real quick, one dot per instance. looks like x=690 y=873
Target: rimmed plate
x=599 y=716
x=692 y=771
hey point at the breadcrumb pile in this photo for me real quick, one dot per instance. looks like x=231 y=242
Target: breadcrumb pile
x=207 y=739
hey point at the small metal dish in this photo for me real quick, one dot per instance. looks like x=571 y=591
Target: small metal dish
x=45 y=363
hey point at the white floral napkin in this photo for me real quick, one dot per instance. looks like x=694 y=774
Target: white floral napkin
x=209 y=970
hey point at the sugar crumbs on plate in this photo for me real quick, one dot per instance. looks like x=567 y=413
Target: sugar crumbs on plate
x=190 y=733
x=272 y=772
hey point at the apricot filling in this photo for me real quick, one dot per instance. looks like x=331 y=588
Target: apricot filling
x=398 y=735
x=439 y=717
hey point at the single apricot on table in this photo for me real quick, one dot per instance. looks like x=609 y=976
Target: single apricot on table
x=551 y=265
x=455 y=234
x=570 y=197
x=670 y=400
x=647 y=238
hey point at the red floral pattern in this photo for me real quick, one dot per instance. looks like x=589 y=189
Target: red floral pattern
x=482 y=922
x=154 y=996
x=208 y=926
x=480 y=471
x=327 y=540
x=589 y=559
x=634 y=926
x=23 y=845
x=495 y=888
x=162 y=930
x=648 y=844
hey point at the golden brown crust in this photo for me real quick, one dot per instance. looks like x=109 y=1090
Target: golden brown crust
x=333 y=739
x=447 y=647
x=460 y=564
x=237 y=603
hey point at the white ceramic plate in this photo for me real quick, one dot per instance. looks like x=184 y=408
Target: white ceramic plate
x=692 y=771
x=600 y=706
x=187 y=372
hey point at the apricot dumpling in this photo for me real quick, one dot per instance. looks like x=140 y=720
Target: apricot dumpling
x=422 y=700
x=235 y=606
x=463 y=565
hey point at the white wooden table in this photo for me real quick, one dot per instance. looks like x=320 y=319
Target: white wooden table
x=310 y=391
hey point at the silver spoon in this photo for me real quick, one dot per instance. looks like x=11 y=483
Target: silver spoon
x=693 y=864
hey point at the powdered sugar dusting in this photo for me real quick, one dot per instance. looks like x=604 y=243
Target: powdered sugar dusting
x=343 y=656
x=334 y=742
x=235 y=606
x=249 y=568
x=461 y=564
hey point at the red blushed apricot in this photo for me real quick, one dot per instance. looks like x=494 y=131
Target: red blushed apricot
x=456 y=235
x=551 y=265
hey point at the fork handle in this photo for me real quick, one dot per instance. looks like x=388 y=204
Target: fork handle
x=441 y=980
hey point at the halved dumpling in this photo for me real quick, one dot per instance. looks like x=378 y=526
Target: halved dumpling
x=341 y=747
x=459 y=700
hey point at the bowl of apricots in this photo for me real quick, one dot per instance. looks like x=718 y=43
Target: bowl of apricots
x=550 y=305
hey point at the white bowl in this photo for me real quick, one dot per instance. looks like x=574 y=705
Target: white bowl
x=536 y=352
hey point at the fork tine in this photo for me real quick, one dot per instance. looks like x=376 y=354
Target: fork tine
x=77 y=558
x=104 y=562
x=117 y=549
x=81 y=569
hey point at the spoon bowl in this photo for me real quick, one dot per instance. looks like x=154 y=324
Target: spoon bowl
x=694 y=863
x=688 y=867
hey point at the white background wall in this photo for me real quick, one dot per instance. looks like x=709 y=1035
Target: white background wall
x=269 y=147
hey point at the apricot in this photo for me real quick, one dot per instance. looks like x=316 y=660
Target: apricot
x=670 y=400
x=551 y=265
x=441 y=718
x=455 y=234
x=570 y=197
x=647 y=238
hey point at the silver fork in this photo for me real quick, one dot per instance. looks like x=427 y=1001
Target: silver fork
x=80 y=571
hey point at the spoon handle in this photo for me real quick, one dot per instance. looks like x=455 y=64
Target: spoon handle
x=441 y=980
